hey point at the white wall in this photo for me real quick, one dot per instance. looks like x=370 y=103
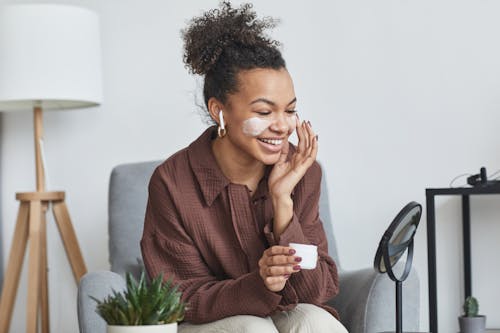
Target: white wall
x=405 y=95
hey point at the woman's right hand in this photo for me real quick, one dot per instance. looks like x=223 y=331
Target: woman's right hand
x=276 y=265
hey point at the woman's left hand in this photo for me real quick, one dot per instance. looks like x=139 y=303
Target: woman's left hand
x=287 y=173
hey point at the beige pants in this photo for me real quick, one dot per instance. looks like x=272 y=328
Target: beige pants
x=305 y=318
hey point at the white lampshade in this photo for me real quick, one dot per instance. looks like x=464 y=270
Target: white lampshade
x=50 y=56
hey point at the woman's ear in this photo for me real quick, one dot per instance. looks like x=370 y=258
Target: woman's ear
x=214 y=107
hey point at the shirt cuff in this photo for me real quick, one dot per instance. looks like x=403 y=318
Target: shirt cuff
x=289 y=295
x=292 y=234
x=261 y=298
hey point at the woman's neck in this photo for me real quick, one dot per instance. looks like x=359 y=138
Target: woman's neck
x=237 y=166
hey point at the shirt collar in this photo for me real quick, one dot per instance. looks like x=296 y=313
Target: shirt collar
x=206 y=170
x=210 y=177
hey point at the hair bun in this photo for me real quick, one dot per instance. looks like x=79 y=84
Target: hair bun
x=207 y=36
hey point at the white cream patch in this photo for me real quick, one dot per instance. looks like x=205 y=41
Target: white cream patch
x=255 y=126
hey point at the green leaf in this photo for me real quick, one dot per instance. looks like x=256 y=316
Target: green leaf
x=143 y=303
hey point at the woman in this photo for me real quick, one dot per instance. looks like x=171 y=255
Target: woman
x=222 y=212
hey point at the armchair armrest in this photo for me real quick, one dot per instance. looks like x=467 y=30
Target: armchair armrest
x=367 y=301
x=97 y=284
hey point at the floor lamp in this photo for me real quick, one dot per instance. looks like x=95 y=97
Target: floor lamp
x=50 y=60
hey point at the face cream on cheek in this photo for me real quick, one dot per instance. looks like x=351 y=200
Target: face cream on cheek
x=255 y=126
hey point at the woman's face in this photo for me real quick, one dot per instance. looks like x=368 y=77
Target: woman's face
x=261 y=115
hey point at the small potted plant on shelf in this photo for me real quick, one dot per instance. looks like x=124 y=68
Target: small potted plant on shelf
x=143 y=307
x=470 y=321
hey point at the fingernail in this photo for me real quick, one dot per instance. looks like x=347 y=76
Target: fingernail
x=316 y=137
x=296 y=267
x=286 y=276
x=309 y=123
x=292 y=251
x=298 y=259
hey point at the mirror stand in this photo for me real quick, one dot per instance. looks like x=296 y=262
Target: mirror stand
x=398 y=239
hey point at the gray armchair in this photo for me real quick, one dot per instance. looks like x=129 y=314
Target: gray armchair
x=366 y=302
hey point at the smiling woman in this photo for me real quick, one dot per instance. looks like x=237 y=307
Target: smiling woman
x=222 y=212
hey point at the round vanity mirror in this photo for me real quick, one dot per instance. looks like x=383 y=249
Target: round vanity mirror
x=398 y=237
x=396 y=241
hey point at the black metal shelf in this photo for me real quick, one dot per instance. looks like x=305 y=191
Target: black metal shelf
x=465 y=193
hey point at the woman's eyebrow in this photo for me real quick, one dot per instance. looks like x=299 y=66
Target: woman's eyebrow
x=267 y=101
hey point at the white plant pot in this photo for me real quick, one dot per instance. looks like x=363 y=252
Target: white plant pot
x=166 y=328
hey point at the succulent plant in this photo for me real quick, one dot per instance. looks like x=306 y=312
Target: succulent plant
x=143 y=303
x=471 y=307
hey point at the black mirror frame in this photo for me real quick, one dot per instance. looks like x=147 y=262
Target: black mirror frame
x=383 y=256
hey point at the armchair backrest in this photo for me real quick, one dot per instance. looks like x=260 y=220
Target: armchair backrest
x=128 y=193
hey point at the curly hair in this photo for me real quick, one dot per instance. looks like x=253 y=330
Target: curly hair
x=224 y=41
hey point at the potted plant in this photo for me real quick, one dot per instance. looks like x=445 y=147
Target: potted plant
x=470 y=321
x=143 y=307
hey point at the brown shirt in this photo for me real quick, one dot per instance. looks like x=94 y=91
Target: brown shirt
x=209 y=234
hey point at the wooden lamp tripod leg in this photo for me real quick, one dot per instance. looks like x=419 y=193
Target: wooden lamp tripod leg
x=34 y=268
x=40 y=185
x=16 y=257
x=63 y=221
x=69 y=239
x=44 y=283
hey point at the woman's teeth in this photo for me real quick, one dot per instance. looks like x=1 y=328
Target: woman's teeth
x=272 y=142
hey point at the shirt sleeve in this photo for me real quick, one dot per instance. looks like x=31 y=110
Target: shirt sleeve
x=168 y=249
x=315 y=286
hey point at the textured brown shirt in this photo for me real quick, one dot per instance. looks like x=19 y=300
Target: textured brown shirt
x=209 y=234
